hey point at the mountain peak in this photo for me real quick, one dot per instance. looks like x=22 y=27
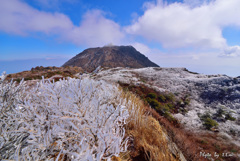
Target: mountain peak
x=110 y=56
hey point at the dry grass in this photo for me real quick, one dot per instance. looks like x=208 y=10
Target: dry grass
x=149 y=138
x=148 y=141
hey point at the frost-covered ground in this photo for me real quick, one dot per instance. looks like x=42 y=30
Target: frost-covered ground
x=75 y=108
x=208 y=93
x=73 y=119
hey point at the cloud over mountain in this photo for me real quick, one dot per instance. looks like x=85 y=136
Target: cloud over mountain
x=95 y=29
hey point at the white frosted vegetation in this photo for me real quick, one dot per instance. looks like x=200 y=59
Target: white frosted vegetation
x=206 y=93
x=76 y=119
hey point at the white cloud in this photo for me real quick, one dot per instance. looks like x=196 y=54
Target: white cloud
x=19 y=18
x=142 y=48
x=95 y=29
x=232 y=51
x=178 y=25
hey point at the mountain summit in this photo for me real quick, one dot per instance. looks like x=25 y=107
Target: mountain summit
x=110 y=56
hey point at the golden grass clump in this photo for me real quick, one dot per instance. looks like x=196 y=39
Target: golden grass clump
x=148 y=141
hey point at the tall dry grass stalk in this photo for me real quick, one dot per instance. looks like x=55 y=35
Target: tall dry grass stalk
x=148 y=140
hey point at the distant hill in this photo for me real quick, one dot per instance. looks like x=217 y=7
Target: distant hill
x=110 y=56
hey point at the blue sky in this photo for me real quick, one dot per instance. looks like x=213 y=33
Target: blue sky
x=201 y=35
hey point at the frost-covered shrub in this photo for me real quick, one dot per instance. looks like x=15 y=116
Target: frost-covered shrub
x=11 y=95
x=75 y=119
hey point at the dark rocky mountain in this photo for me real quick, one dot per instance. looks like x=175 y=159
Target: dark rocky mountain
x=110 y=56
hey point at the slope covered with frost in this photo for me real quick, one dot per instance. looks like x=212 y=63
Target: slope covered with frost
x=207 y=93
x=77 y=119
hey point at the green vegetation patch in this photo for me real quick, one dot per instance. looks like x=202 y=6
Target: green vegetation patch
x=208 y=122
x=164 y=103
x=229 y=116
x=224 y=115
